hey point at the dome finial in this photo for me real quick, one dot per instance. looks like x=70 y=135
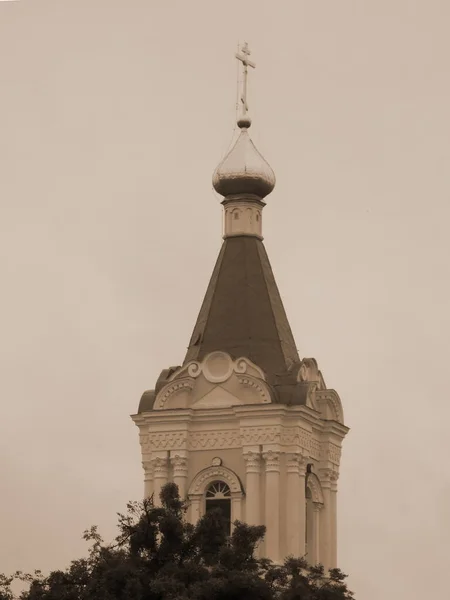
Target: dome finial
x=244 y=120
x=243 y=178
x=243 y=171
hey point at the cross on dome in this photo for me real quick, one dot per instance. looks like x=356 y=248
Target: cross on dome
x=242 y=56
x=243 y=171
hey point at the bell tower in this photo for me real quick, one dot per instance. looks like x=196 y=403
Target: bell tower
x=244 y=424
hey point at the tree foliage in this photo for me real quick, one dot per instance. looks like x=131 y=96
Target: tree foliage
x=157 y=555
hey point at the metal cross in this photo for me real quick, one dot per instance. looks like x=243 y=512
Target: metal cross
x=243 y=57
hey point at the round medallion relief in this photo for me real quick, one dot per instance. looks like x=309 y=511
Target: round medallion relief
x=217 y=367
x=216 y=462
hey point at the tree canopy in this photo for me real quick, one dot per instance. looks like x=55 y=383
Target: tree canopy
x=158 y=555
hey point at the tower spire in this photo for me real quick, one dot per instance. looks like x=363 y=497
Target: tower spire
x=243 y=57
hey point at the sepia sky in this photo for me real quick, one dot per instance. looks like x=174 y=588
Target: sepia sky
x=113 y=116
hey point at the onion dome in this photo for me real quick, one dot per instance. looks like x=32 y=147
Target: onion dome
x=244 y=170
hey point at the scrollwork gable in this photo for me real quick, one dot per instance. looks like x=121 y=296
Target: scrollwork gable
x=216 y=382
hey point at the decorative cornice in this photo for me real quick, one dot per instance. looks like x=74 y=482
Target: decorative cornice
x=168 y=440
x=293 y=437
x=204 y=440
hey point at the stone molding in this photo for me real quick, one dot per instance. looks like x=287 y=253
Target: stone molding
x=208 y=440
x=168 y=440
x=252 y=382
x=313 y=483
x=171 y=389
x=324 y=451
x=331 y=400
x=210 y=474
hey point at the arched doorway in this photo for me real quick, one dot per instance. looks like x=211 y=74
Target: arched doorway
x=218 y=497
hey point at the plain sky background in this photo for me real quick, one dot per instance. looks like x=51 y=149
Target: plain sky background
x=113 y=116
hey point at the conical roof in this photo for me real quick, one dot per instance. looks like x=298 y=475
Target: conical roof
x=242 y=312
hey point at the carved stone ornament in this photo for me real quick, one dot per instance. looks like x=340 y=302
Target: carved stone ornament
x=272 y=459
x=331 y=399
x=180 y=465
x=160 y=467
x=309 y=371
x=218 y=366
x=216 y=461
x=252 y=462
x=172 y=388
x=313 y=483
x=168 y=440
x=207 y=476
x=296 y=463
x=208 y=440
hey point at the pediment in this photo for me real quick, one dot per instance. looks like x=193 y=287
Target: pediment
x=219 y=397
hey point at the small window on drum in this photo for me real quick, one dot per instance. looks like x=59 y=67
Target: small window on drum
x=218 y=497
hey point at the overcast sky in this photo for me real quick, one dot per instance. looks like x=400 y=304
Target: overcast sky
x=113 y=116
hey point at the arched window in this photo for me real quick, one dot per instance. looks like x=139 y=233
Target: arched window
x=218 y=496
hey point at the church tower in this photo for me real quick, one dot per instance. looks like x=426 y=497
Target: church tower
x=244 y=424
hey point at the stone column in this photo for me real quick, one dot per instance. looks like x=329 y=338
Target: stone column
x=295 y=504
x=180 y=473
x=148 y=478
x=326 y=529
x=333 y=552
x=194 y=508
x=316 y=558
x=272 y=517
x=253 y=488
x=160 y=476
x=235 y=508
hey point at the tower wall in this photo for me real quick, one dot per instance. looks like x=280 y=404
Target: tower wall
x=271 y=456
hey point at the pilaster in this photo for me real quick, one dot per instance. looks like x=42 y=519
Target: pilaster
x=148 y=478
x=295 y=504
x=315 y=554
x=179 y=464
x=252 y=460
x=272 y=520
x=160 y=467
x=325 y=549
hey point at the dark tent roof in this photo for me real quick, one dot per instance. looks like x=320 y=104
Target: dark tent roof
x=242 y=312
